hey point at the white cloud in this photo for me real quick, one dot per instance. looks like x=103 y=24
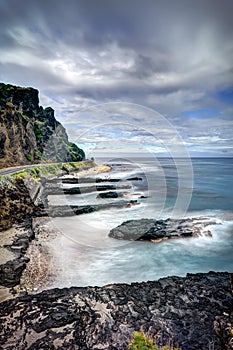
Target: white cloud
x=172 y=59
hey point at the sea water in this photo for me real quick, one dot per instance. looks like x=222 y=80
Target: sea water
x=85 y=255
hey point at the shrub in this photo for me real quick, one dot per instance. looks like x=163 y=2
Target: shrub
x=35 y=172
x=29 y=157
x=142 y=342
x=39 y=137
x=38 y=130
x=22 y=174
x=37 y=153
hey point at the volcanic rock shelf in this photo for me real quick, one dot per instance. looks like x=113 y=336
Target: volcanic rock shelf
x=194 y=312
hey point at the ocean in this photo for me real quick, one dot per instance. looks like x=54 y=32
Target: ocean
x=201 y=188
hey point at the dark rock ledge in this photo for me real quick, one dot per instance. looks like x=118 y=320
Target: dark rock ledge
x=111 y=194
x=158 y=230
x=71 y=210
x=81 y=190
x=88 y=180
x=194 y=311
x=11 y=270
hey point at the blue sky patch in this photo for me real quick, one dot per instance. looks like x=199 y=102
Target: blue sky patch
x=201 y=113
x=226 y=96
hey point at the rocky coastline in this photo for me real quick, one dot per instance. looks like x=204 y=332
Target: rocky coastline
x=194 y=312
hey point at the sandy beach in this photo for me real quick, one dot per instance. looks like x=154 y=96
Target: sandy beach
x=100 y=168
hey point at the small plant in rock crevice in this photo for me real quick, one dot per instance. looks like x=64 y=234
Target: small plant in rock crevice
x=143 y=342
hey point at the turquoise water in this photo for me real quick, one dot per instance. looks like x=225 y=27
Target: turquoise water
x=85 y=255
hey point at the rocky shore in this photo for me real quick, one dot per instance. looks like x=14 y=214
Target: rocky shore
x=194 y=312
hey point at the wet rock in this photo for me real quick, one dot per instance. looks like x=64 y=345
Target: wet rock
x=157 y=230
x=78 y=190
x=88 y=180
x=71 y=210
x=191 y=311
x=135 y=178
x=110 y=194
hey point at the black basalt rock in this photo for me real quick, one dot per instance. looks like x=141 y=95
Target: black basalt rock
x=194 y=312
x=157 y=230
x=110 y=194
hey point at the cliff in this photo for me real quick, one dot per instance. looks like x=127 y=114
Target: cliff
x=30 y=133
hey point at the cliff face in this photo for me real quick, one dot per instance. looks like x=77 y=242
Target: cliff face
x=30 y=133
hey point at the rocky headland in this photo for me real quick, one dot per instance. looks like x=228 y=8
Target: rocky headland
x=30 y=133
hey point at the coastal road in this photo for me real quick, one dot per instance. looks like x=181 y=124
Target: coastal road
x=13 y=170
x=17 y=169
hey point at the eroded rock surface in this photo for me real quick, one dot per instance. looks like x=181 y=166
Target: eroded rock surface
x=191 y=311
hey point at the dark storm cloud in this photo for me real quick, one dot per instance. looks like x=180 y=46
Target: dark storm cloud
x=173 y=56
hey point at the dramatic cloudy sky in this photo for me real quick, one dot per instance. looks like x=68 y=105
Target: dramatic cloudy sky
x=95 y=61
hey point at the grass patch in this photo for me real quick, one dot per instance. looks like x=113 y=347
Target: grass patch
x=143 y=342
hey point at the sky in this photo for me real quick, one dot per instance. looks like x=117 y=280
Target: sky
x=151 y=76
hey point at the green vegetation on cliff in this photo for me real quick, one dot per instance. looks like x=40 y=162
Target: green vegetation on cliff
x=30 y=133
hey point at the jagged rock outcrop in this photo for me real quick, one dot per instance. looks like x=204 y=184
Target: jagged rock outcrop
x=30 y=133
x=194 y=312
x=16 y=202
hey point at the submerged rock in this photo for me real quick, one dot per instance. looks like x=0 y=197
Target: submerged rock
x=191 y=311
